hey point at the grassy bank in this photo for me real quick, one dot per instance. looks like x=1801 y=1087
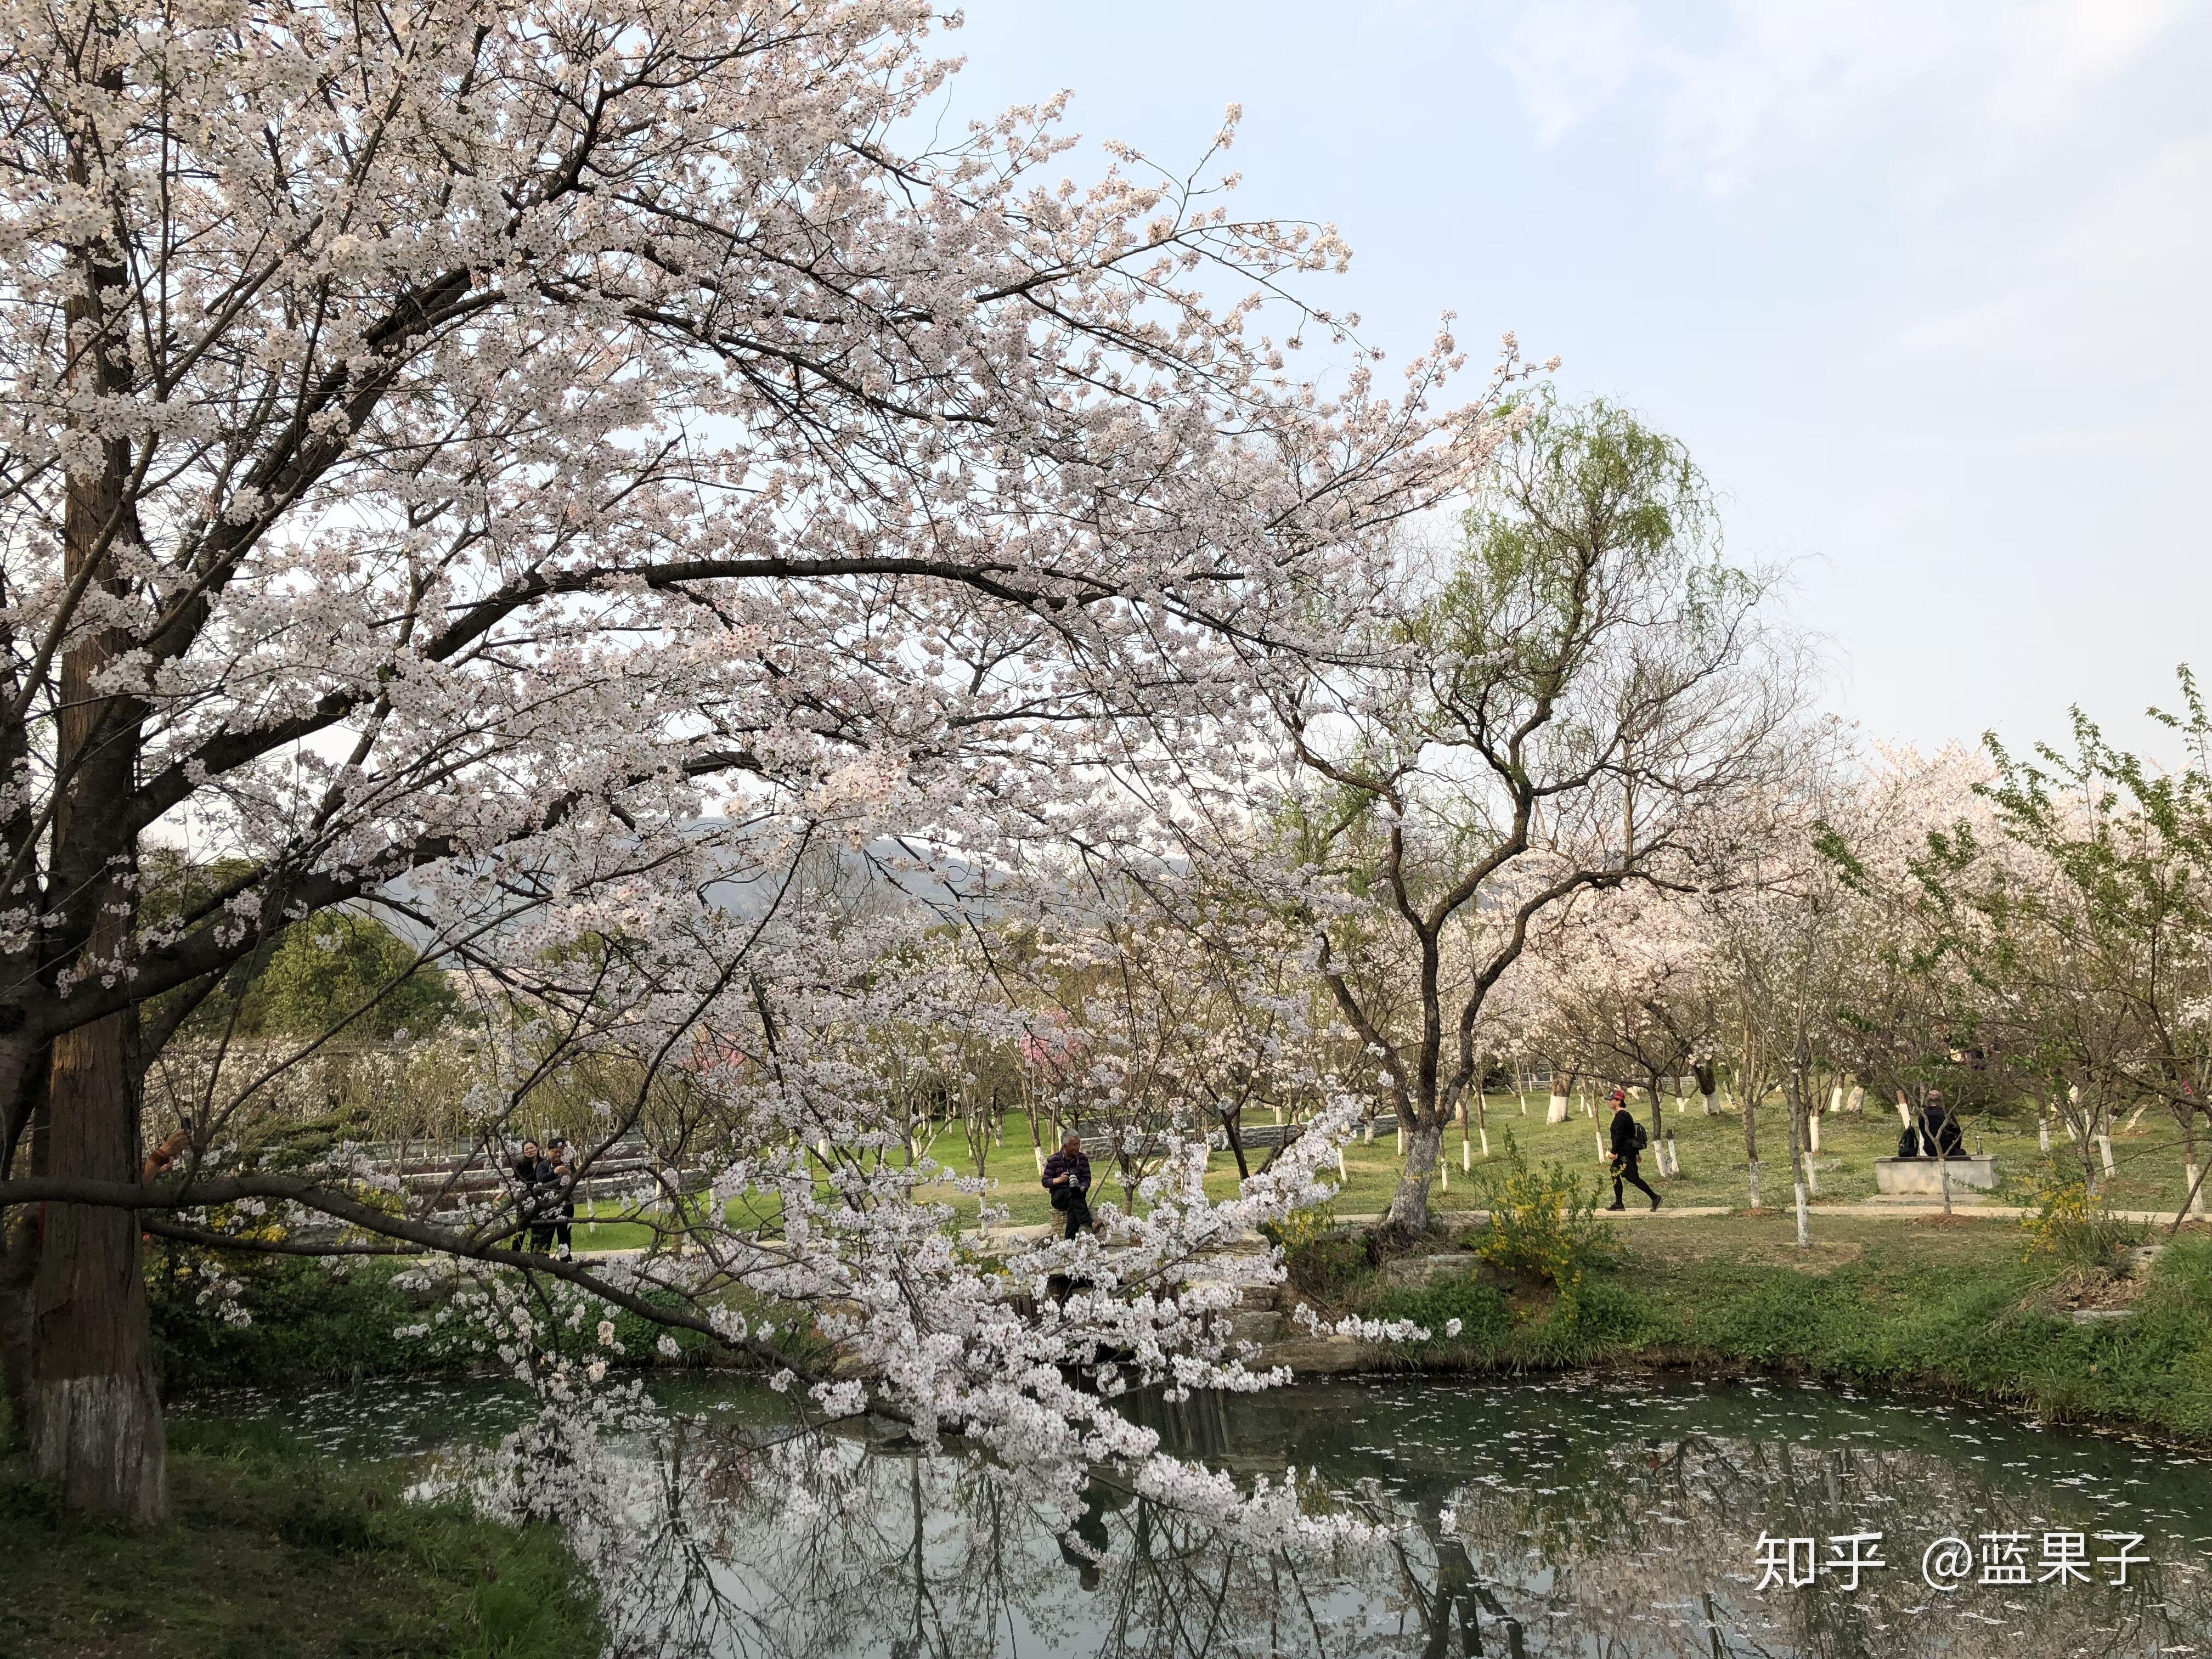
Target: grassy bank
x=308 y=1325
x=274 y=1551
x=1953 y=1308
x=2149 y=1174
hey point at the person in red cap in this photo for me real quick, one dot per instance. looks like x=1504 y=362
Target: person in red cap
x=1627 y=1142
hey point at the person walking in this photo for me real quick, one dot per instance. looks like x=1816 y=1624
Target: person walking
x=1066 y=1180
x=1628 y=1139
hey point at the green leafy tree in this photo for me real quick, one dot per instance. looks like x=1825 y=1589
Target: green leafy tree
x=341 y=971
x=1554 y=712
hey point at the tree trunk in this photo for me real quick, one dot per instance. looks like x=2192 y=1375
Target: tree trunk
x=1797 y=1112
x=2194 y=1203
x=1409 y=1205
x=93 y=1419
x=1233 y=1123
x=1751 y=1146
x=21 y=1231
x=94 y=1422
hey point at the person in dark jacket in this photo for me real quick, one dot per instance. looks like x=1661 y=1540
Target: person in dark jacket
x=1067 y=1179
x=1940 y=1133
x=1625 y=1153
x=561 y=1199
x=522 y=1169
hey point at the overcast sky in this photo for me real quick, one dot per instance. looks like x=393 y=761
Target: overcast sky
x=1924 y=285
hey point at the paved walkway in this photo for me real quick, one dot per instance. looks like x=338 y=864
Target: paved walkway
x=1907 y=1210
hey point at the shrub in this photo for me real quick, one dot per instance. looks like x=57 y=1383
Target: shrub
x=1543 y=1224
x=2073 y=1224
x=1483 y=1315
x=308 y=1321
x=1300 y=1227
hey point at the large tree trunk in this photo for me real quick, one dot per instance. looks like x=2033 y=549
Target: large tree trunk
x=95 y=1421
x=1409 y=1205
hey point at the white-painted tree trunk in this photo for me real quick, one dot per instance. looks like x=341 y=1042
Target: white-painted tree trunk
x=1856 y=1105
x=1804 y=1220
x=1556 y=1112
x=1712 y=1106
x=2104 y=1151
x=2043 y=1132
x=1754 y=1183
x=2196 y=1193
x=1812 y=1132
x=1409 y=1205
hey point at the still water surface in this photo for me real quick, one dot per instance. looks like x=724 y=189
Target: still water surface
x=1604 y=1519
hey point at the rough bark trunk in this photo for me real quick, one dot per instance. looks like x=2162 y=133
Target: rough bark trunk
x=1409 y=1205
x=21 y=1231
x=92 y=1417
x=95 y=1421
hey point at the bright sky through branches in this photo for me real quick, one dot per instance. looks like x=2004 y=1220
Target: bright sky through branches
x=1922 y=286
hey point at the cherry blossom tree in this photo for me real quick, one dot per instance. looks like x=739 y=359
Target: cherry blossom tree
x=1623 y=975
x=1194 y=1005
x=2089 y=924
x=445 y=440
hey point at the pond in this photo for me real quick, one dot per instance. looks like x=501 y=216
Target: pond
x=1583 y=1517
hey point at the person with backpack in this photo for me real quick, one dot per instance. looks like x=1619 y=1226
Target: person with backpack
x=1629 y=1138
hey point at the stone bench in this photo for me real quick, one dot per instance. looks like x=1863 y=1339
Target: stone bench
x=1925 y=1175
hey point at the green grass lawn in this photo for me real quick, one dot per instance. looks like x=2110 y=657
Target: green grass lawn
x=274 y=1551
x=2149 y=1165
x=1955 y=1307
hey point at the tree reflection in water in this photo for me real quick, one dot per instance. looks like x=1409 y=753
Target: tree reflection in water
x=1530 y=1521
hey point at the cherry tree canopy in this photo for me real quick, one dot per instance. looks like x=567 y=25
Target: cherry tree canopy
x=441 y=437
